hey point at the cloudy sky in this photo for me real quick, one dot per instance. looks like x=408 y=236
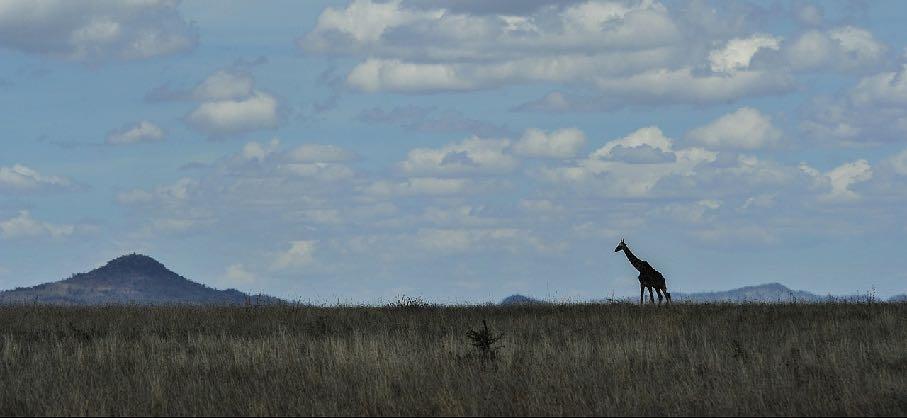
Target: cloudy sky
x=458 y=151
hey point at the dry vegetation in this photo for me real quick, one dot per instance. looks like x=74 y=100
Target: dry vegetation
x=820 y=359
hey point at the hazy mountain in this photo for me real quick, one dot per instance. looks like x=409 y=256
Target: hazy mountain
x=763 y=293
x=769 y=292
x=131 y=278
x=519 y=300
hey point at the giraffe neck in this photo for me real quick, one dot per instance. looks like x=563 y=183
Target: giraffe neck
x=636 y=262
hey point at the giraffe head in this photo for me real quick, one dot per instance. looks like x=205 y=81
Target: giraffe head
x=621 y=246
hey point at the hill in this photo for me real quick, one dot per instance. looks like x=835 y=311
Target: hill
x=763 y=293
x=134 y=278
x=519 y=300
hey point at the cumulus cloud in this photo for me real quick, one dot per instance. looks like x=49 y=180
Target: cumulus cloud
x=650 y=136
x=232 y=116
x=165 y=195
x=430 y=120
x=846 y=48
x=602 y=173
x=665 y=86
x=872 y=112
x=25 y=226
x=319 y=153
x=746 y=128
x=300 y=254
x=142 y=131
x=379 y=27
x=20 y=178
x=228 y=104
x=899 y=162
x=237 y=275
x=95 y=29
x=809 y=14
x=695 y=212
x=259 y=152
x=846 y=175
x=737 y=53
x=634 y=53
x=562 y=143
x=473 y=155
x=424 y=186
x=838 y=181
x=321 y=171
x=461 y=240
x=224 y=85
x=394 y=75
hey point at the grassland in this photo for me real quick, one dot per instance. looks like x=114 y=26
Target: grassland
x=809 y=359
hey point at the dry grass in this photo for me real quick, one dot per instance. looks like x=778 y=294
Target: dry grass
x=848 y=359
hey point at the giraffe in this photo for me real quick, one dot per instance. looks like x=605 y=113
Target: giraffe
x=649 y=278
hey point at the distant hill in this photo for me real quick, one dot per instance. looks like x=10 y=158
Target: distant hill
x=763 y=293
x=519 y=300
x=769 y=292
x=133 y=278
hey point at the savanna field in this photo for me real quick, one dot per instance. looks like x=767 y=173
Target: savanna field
x=607 y=359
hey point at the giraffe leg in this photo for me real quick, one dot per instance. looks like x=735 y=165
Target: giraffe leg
x=660 y=297
x=651 y=296
x=642 y=289
x=667 y=295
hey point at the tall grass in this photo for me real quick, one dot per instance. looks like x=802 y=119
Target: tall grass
x=617 y=359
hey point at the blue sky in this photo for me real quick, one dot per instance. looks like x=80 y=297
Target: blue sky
x=458 y=151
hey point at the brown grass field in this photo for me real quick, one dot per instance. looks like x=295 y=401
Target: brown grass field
x=581 y=359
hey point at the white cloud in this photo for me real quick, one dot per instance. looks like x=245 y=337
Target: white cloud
x=95 y=29
x=737 y=53
x=872 y=112
x=362 y=22
x=224 y=85
x=23 y=179
x=540 y=206
x=321 y=171
x=695 y=212
x=666 y=86
x=300 y=254
x=24 y=226
x=809 y=14
x=142 y=131
x=736 y=235
x=846 y=175
x=258 y=152
x=319 y=153
x=886 y=89
x=601 y=173
x=746 y=128
x=837 y=182
x=473 y=155
x=379 y=29
x=237 y=275
x=376 y=75
x=636 y=53
x=899 y=162
x=166 y=195
x=649 y=136
x=562 y=143
x=846 y=48
x=460 y=240
x=230 y=116
x=422 y=186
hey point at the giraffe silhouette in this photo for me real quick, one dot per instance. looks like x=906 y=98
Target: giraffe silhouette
x=649 y=278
